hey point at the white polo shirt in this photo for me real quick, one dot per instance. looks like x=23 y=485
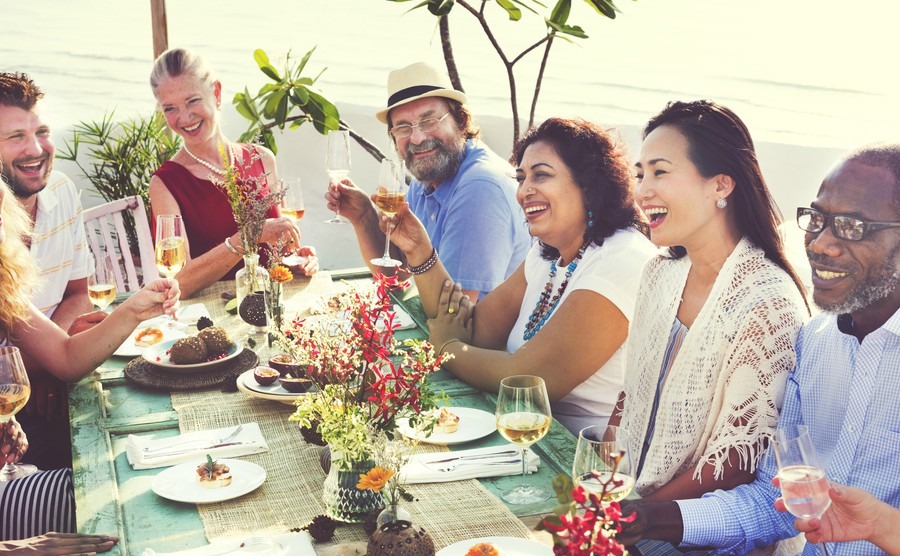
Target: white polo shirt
x=58 y=244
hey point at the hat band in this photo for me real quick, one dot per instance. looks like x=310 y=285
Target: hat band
x=410 y=92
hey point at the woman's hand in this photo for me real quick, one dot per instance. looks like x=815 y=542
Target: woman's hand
x=279 y=230
x=454 y=317
x=408 y=234
x=352 y=201
x=58 y=544
x=13 y=442
x=158 y=297
x=311 y=266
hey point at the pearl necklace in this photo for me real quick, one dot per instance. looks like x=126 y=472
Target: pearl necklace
x=545 y=306
x=207 y=164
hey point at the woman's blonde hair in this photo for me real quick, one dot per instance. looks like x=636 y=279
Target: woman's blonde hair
x=17 y=271
x=179 y=61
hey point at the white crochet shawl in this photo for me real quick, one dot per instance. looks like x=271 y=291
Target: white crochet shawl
x=731 y=367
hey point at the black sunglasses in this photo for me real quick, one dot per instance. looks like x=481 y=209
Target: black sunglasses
x=845 y=227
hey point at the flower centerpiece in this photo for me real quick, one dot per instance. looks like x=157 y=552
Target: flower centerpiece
x=365 y=380
x=385 y=477
x=585 y=524
x=279 y=273
x=249 y=204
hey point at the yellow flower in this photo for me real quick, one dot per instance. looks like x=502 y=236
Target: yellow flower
x=280 y=273
x=374 y=479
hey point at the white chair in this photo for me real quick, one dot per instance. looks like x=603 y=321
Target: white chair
x=105 y=229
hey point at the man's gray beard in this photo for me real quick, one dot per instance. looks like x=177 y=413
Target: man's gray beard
x=867 y=293
x=442 y=166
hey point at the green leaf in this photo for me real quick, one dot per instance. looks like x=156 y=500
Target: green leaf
x=604 y=7
x=242 y=105
x=305 y=59
x=527 y=7
x=572 y=30
x=440 y=7
x=262 y=60
x=561 y=11
x=417 y=6
x=272 y=104
x=300 y=96
x=281 y=111
x=515 y=14
x=325 y=115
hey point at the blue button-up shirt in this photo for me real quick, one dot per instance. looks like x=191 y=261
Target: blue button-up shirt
x=474 y=220
x=848 y=394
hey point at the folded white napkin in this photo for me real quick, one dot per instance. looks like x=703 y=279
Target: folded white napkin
x=497 y=461
x=170 y=450
x=292 y=544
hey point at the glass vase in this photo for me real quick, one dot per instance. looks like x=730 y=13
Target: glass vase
x=343 y=501
x=251 y=283
x=275 y=309
x=393 y=512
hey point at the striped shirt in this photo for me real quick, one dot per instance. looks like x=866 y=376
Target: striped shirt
x=848 y=394
x=58 y=244
x=37 y=504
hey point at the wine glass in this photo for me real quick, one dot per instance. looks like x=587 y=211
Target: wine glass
x=804 y=486
x=170 y=251
x=602 y=461
x=15 y=389
x=390 y=197
x=337 y=165
x=102 y=282
x=292 y=206
x=523 y=418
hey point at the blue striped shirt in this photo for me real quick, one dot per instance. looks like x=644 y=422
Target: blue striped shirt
x=848 y=393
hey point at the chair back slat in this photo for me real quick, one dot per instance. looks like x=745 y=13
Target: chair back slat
x=105 y=228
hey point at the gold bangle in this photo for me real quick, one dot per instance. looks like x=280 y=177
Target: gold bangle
x=447 y=343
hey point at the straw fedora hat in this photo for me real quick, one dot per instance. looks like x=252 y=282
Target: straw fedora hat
x=415 y=81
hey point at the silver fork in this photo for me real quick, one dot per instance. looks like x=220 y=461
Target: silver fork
x=259 y=545
x=200 y=442
x=453 y=465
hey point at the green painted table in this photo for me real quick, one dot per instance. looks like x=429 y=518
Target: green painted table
x=113 y=498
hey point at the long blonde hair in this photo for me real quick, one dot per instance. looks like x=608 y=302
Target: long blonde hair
x=17 y=270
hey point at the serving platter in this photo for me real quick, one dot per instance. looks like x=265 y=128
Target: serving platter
x=158 y=355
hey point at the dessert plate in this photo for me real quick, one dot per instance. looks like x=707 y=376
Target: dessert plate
x=156 y=355
x=184 y=326
x=508 y=546
x=248 y=385
x=180 y=483
x=473 y=424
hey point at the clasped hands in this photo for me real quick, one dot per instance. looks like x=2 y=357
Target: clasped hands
x=453 y=320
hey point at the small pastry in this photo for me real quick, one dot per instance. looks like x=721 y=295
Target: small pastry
x=448 y=422
x=483 y=549
x=212 y=474
x=148 y=337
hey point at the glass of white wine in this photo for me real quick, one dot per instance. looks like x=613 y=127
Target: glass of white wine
x=523 y=418
x=170 y=250
x=804 y=486
x=102 y=283
x=389 y=197
x=292 y=206
x=337 y=165
x=602 y=465
x=15 y=389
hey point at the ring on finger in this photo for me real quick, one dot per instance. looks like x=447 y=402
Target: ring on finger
x=451 y=310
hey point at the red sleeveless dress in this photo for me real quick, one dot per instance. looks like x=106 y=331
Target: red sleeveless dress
x=207 y=216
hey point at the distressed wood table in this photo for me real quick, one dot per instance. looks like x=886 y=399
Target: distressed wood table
x=112 y=498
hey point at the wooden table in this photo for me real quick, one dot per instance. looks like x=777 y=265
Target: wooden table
x=113 y=498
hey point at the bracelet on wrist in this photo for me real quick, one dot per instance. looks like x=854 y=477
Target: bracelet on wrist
x=427 y=265
x=447 y=343
x=232 y=248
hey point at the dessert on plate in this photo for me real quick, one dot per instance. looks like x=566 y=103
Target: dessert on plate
x=447 y=422
x=483 y=549
x=212 y=474
x=148 y=337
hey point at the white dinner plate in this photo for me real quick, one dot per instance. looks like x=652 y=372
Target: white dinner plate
x=248 y=385
x=156 y=355
x=508 y=546
x=289 y=544
x=473 y=424
x=180 y=483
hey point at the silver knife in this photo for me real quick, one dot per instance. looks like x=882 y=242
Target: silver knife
x=474 y=456
x=194 y=449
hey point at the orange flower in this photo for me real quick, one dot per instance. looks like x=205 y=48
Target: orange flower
x=280 y=273
x=375 y=479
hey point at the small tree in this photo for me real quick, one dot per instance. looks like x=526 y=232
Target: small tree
x=556 y=27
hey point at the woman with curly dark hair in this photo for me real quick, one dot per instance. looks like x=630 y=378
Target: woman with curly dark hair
x=563 y=314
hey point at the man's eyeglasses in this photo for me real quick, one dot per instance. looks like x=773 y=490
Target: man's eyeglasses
x=845 y=227
x=428 y=125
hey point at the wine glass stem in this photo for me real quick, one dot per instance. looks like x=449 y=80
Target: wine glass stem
x=387 y=242
x=524 y=462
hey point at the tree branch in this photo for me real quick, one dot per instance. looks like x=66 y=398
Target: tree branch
x=540 y=78
x=447 y=46
x=365 y=144
x=530 y=48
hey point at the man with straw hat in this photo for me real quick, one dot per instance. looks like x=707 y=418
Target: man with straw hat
x=463 y=192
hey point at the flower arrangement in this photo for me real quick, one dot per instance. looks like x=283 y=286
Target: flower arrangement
x=279 y=273
x=584 y=524
x=363 y=375
x=391 y=456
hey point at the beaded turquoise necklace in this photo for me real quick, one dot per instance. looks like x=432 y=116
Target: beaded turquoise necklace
x=545 y=306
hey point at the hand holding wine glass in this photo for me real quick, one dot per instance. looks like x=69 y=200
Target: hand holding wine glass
x=390 y=196
x=102 y=283
x=523 y=418
x=602 y=464
x=15 y=389
x=292 y=206
x=337 y=165
x=171 y=254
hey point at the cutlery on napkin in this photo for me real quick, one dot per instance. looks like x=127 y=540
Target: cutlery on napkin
x=293 y=544
x=494 y=461
x=146 y=453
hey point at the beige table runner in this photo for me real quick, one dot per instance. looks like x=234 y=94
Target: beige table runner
x=292 y=493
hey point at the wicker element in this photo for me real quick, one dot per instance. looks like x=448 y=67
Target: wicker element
x=141 y=373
